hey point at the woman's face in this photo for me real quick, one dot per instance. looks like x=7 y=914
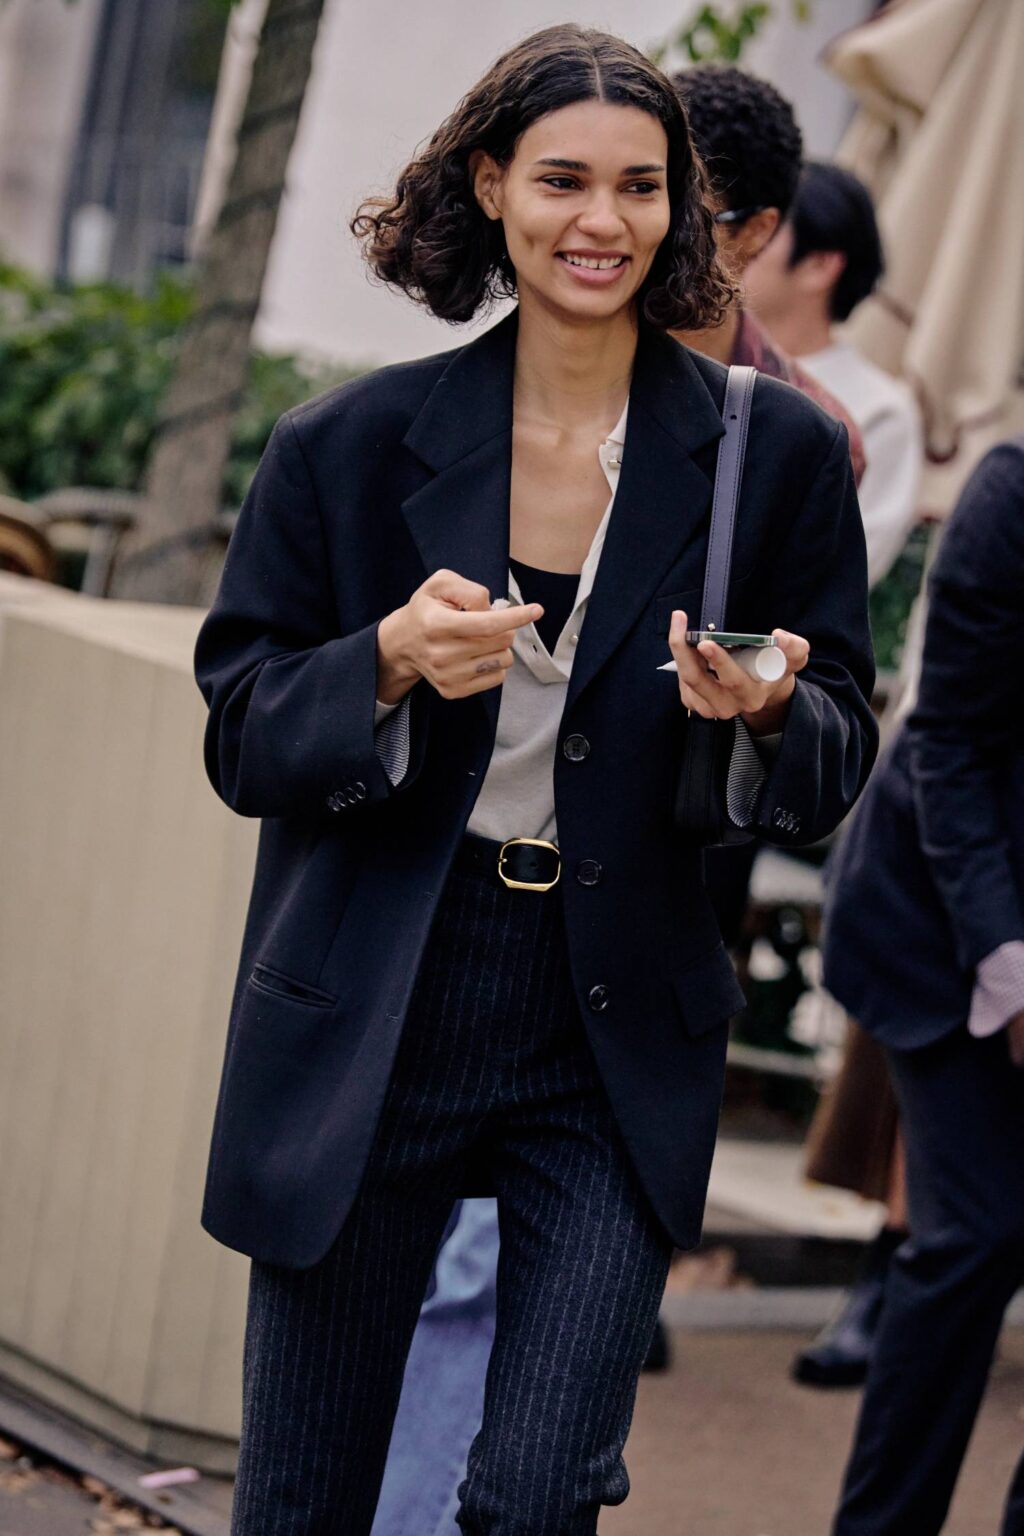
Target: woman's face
x=585 y=206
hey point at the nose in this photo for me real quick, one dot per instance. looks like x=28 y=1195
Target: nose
x=601 y=219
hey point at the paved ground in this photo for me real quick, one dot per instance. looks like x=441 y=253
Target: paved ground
x=723 y=1445
x=726 y=1445
x=42 y=1504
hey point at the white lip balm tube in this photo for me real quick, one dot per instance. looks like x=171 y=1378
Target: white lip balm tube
x=765 y=662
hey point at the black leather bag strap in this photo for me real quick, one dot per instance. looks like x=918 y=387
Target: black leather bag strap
x=739 y=392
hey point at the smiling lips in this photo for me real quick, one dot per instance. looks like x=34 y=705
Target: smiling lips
x=594 y=266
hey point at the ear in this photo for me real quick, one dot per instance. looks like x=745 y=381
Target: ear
x=758 y=230
x=487 y=177
x=821 y=270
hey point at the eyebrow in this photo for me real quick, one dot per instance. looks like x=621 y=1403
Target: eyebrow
x=581 y=165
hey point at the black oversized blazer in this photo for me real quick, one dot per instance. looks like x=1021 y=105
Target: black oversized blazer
x=359 y=496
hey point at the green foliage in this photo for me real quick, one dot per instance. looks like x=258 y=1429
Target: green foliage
x=719 y=33
x=892 y=600
x=713 y=36
x=82 y=373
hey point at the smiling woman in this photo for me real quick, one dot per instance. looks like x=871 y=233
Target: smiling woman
x=479 y=954
x=432 y=239
x=577 y=225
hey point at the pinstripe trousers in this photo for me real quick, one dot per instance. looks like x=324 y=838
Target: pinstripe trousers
x=493 y=1062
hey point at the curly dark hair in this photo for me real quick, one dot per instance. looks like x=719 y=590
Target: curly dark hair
x=745 y=133
x=432 y=240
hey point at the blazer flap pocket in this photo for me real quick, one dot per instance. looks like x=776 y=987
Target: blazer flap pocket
x=708 y=992
x=266 y=979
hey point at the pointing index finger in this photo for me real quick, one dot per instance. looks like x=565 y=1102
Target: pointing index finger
x=495 y=621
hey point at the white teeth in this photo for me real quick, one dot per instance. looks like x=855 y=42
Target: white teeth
x=597 y=264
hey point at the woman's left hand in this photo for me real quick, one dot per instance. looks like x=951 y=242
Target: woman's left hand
x=729 y=691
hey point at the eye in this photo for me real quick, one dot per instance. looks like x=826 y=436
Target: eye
x=644 y=188
x=561 y=183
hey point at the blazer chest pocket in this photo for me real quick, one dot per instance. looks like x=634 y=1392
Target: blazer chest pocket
x=664 y=607
x=266 y=979
x=691 y=601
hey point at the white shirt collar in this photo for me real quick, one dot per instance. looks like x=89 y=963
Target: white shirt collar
x=528 y=647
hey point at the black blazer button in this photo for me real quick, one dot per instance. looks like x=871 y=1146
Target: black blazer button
x=575 y=748
x=335 y=802
x=598 y=998
x=350 y=795
x=360 y=789
x=588 y=872
x=781 y=819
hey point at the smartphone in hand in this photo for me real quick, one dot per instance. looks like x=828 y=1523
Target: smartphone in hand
x=729 y=640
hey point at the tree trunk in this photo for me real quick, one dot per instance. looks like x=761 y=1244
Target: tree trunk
x=182 y=491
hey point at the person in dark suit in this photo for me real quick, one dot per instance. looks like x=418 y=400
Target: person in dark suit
x=925 y=948
x=478 y=956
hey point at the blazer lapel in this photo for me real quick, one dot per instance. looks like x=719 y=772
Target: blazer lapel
x=463 y=432
x=663 y=497
x=459 y=518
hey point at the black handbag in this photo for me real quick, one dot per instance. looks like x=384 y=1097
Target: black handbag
x=701 y=812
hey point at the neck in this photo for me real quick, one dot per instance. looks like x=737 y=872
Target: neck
x=717 y=343
x=569 y=372
x=801 y=331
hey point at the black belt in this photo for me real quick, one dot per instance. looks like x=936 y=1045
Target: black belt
x=521 y=863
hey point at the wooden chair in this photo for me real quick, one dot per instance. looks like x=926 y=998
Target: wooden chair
x=80 y=519
x=25 y=548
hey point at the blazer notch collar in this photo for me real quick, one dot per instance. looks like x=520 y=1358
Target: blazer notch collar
x=471 y=403
x=680 y=391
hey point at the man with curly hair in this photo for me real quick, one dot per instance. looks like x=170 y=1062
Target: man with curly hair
x=751 y=144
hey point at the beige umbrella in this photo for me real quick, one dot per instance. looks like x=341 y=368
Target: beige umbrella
x=939 y=138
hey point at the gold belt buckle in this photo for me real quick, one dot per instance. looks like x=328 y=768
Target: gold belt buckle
x=528 y=885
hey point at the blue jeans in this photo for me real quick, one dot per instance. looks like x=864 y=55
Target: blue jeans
x=443 y=1391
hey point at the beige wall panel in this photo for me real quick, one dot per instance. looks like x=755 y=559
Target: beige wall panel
x=122 y=899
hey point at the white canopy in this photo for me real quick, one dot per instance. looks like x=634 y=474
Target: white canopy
x=939 y=138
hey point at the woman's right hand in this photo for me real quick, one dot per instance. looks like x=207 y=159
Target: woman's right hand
x=449 y=634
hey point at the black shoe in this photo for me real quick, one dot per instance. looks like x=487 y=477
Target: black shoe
x=841 y=1354
x=659 y=1352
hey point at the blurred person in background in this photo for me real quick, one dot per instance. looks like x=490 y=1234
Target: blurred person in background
x=747 y=134
x=924 y=945
x=824 y=260
x=405 y=914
